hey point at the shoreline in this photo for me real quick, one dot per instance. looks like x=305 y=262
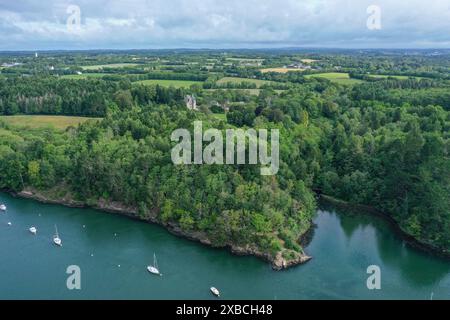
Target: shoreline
x=277 y=263
x=409 y=239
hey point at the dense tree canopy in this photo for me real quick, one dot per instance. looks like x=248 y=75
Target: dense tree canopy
x=382 y=143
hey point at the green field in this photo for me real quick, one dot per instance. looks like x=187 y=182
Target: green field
x=254 y=92
x=338 y=77
x=383 y=76
x=220 y=116
x=258 y=82
x=246 y=59
x=169 y=83
x=39 y=121
x=83 y=76
x=112 y=65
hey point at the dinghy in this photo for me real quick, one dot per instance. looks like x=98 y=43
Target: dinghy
x=215 y=292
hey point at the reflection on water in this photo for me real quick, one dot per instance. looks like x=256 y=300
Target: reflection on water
x=342 y=244
x=393 y=251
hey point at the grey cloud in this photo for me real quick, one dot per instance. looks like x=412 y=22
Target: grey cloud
x=213 y=23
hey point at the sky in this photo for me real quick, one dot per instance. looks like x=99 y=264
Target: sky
x=152 y=24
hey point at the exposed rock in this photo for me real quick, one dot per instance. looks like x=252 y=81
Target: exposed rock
x=278 y=262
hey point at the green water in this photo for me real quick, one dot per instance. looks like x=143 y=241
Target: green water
x=343 y=246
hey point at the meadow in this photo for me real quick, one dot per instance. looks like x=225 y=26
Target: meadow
x=339 y=77
x=252 y=92
x=237 y=80
x=280 y=70
x=383 y=76
x=83 y=76
x=112 y=65
x=169 y=83
x=220 y=116
x=308 y=60
x=44 y=121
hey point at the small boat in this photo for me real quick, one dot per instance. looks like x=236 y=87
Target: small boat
x=33 y=230
x=56 y=238
x=154 y=268
x=9 y=224
x=2 y=207
x=215 y=292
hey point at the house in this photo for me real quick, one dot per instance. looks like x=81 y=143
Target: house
x=191 y=102
x=299 y=65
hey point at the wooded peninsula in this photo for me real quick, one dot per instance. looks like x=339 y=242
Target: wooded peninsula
x=372 y=128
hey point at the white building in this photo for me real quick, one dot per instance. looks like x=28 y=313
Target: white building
x=191 y=102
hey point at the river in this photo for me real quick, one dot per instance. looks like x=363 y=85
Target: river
x=113 y=251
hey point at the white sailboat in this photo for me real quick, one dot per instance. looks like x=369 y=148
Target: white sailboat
x=2 y=207
x=56 y=238
x=154 y=268
x=215 y=292
x=33 y=230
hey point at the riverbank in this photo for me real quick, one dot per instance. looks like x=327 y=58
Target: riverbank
x=282 y=260
x=409 y=239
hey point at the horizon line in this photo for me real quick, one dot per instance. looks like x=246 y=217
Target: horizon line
x=230 y=49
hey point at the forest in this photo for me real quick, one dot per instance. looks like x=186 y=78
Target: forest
x=381 y=142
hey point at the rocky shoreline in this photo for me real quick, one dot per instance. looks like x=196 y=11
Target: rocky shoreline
x=278 y=262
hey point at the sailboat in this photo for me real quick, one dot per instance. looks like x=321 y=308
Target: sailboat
x=154 y=268
x=33 y=230
x=56 y=238
x=2 y=207
x=215 y=291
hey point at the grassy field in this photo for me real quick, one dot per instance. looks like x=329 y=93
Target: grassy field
x=220 y=116
x=382 y=76
x=258 y=82
x=38 y=121
x=280 y=70
x=112 y=65
x=254 y=92
x=308 y=60
x=170 y=83
x=83 y=76
x=256 y=60
x=338 y=77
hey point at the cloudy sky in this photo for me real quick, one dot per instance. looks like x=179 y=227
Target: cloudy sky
x=112 y=24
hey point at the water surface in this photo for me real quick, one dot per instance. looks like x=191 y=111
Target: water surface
x=343 y=245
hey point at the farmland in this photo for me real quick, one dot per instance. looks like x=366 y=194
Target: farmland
x=308 y=60
x=44 y=121
x=338 y=77
x=83 y=76
x=280 y=70
x=382 y=76
x=237 y=80
x=169 y=83
x=112 y=65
